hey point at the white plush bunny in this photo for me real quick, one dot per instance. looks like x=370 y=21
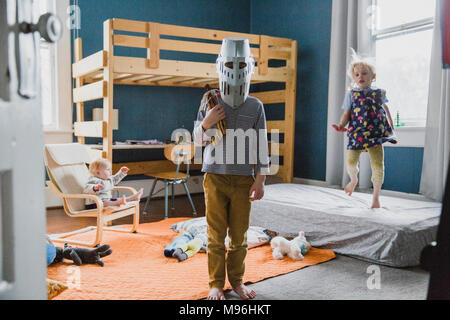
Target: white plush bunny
x=294 y=249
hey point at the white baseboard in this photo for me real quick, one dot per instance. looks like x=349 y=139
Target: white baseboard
x=195 y=185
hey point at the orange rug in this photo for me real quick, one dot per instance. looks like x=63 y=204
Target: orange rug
x=137 y=268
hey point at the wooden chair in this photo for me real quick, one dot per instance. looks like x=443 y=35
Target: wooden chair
x=68 y=173
x=178 y=154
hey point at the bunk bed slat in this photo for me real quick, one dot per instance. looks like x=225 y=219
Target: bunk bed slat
x=131 y=25
x=278 y=54
x=108 y=78
x=96 y=129
x=268 y=97
x=172 y=81
x=263 y=63
x=289 y=114
x=279 y=42
x=185 y=46
x=157 y=79
x=139 y=77
x=96 y=75
x=187 y=68
x=180 y=31
x=123 y=76
x=88 y=92
x=207 y=34
x=180 y=80
x=276 y=149
x=89 y=64
x=166 y=67
x=276 y=125
x=78 y=55
x=131 y=41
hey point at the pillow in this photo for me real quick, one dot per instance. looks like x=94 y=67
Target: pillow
x=54 y=288
x=194 y=226
x=256 y=236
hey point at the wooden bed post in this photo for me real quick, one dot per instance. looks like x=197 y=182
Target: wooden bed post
x=153 y=50
x=289 y=115
x=78 y=55
x=108 y=77
x=263 y=61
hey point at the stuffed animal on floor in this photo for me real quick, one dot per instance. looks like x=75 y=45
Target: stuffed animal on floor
x=82 y=255
x=294 y=249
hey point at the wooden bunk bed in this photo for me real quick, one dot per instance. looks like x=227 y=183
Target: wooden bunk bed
x=96 y=75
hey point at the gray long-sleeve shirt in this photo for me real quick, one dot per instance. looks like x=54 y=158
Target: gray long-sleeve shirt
x=108 y=185
x=242 y=147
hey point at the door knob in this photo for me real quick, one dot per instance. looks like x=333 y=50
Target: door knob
x=26 y=45
x=49 y=27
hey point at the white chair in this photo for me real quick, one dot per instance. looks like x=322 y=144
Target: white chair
x=67 y=169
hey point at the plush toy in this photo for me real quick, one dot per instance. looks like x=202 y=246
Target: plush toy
x=51 y=251
x=294 y=249
x=82 y=255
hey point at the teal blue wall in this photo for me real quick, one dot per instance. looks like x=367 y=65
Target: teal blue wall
x=154 y=112
x=403 y=168
x=308 y=22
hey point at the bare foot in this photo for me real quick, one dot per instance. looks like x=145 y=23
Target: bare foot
x=244 y=292
x=216 y=294
x=137 y=196
x=376 y=204
x=118 y=202
x=122 y=201
x=350 y=187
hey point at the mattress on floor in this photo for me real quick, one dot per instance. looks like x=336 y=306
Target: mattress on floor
x=393 y=235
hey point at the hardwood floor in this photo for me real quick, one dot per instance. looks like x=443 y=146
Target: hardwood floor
x=59 y=222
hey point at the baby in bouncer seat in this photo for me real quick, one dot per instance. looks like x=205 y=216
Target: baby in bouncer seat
x=102 y=182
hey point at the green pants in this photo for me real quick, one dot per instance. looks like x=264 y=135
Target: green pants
x=227 y=209
x=376 y=154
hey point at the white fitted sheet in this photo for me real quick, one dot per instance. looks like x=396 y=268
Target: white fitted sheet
x=393 y=235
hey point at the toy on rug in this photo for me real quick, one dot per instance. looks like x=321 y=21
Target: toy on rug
x=196 y=228
x=182 y=247
x=51 y=251
x=82 y=255
x=294 y=249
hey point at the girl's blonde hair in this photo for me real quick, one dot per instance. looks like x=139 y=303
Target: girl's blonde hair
x=97 y=165
x=357 y=61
